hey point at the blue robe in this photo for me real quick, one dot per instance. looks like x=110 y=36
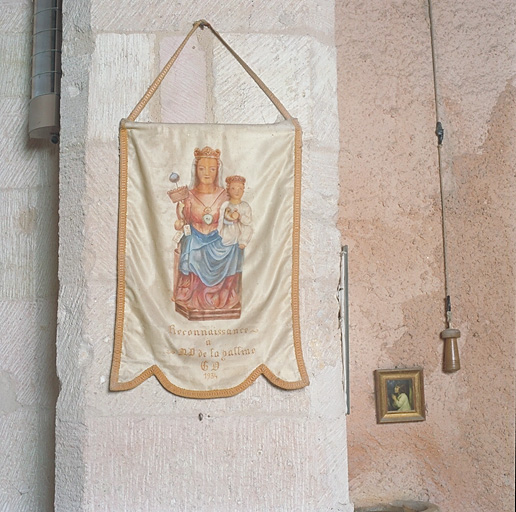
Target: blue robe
x=208 y=258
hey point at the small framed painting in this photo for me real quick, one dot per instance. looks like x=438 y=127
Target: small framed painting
x=399 y=395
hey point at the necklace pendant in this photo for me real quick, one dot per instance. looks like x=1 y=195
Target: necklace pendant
x=207 y=218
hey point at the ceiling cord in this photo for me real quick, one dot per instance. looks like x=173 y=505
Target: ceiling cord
x=451 y=360
x=439 y=131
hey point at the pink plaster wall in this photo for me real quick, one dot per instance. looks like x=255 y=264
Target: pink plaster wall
x=462 y=457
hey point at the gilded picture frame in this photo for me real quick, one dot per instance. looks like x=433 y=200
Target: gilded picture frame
x=399 y=395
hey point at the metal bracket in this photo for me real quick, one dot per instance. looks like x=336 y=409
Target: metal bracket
x=439 y=131
x=343 y=300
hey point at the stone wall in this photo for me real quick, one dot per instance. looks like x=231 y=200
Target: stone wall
x=146 y=449
x=266 y=449
x=28 y=280
x=462 y=456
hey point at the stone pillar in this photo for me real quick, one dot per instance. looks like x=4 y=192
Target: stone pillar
x=146 y=449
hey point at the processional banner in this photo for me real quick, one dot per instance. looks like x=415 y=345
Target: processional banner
x=208 y=254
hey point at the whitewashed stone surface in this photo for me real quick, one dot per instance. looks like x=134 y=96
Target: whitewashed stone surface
x=28 y=281
x=184 y=91
x=291 y=16
x=122 y=70
x=281 y=63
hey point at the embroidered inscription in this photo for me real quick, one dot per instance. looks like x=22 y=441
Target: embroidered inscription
x=209 y=332
x=212 y=359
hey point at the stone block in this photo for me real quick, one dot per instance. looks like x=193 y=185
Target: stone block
x=315 y=18
x=122 y=70
x=29 y=257
x=320 y=188
x=15 y=66
x=216 y=464
x=325 y=120
x=17 y=260
x=74 y=101
x=320 y=247
x=101 y=214
x=183 y=92
x=78 y=20
x=28 y=354
x=280 y=62
x=300 y=72
x=26 y=163
x=72 y=184
x=16 y=16
x=26 y=463
x=70 y=440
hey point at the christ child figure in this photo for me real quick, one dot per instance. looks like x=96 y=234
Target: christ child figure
x=235 y=219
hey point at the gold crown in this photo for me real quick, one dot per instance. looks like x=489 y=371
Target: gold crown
x=207 y=152
x=231 y=179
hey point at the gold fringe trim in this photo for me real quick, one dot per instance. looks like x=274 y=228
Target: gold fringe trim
x=212 y=393
x=122 y=231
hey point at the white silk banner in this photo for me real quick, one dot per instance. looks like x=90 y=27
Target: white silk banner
x=208 y=247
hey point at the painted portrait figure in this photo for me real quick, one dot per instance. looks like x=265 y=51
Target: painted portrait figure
x=400 y=395
x=208 y=270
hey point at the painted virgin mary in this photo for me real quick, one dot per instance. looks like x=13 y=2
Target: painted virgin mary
x=207 y=274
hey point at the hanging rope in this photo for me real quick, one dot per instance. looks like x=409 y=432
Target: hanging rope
x=451 y=360
x=439 y=131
